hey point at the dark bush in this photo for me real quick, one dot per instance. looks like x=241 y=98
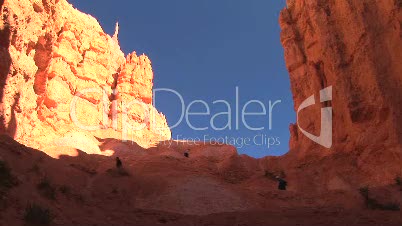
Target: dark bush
x=374 y=204
x=6 y=178
x=46 y=188
x=37 y=215
x=390 y=206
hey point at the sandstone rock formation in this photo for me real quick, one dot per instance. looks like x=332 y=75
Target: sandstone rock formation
x=58 y=72
x=355 y=47
x=51 y=54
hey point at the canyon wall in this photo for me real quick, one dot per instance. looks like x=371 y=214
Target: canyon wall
x=355 y=47
x=59 y=70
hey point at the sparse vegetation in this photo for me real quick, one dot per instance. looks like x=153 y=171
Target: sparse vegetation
x=37 y=215
x=390 y=206
x=69 y=193
x=374 y=204
x=46 y=188
x=6 y=178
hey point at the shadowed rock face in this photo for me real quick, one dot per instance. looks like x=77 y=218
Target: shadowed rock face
x=171 y=189
x=51 y=52
x=355 y=47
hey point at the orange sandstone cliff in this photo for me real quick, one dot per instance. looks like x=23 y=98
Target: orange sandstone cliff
x=355 y=47
x=51 y=56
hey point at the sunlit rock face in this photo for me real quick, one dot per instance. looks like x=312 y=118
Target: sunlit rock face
x=58 y=72
x=355 y=47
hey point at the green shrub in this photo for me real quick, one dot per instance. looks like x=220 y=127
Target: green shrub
x=37 y=215
x=46 y=188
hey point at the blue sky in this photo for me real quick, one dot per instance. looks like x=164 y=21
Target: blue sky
x=204 y=50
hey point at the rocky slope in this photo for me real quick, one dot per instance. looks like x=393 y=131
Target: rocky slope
x=52 y=55
x=355 y=47
x=159 y=186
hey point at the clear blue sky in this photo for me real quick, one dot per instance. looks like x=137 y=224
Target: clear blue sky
x=203 y=50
